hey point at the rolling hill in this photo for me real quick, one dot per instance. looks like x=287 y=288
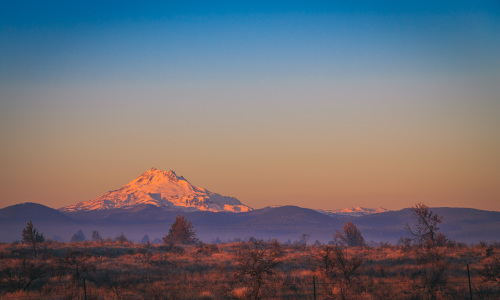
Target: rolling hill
x=284 y=223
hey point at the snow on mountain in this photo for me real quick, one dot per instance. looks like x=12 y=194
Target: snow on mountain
x=163 y=189
x=353 y=211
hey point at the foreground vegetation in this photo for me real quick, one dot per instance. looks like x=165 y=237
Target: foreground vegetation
x=252 y=269
x=425 y=265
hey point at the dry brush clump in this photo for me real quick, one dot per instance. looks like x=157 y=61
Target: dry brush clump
x=339 y=271
x=243 y=270
x=257 y=267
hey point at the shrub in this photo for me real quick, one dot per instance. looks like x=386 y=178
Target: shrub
x=78 y=237
x=181 y=232
x=32 y=237
x=351 y=238
x=257 y=263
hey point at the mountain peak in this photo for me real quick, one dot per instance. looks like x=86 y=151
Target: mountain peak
x=163 y=189
x=160 y=175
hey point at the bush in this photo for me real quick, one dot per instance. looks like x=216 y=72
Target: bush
x=181 y=232
x=78 y=237
x=32 y=237
x=351 y=238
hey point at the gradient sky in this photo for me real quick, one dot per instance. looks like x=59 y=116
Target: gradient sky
x=320 y=104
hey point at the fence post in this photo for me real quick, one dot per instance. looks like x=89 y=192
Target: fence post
x=314 y=287
x=470 y=287
x=84 y=288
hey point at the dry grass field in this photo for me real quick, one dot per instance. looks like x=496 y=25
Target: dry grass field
x=247 y=270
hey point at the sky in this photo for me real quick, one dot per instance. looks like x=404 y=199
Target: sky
x=319 y=104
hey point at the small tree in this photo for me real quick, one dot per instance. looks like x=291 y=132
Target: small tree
x=431 y=277
x=490 y=271
x=96 y=237
x=425 y=230
x=78 y=237
x=145 y=254
x=121 y=238
x=351 y=238
x=145 y=239
x=77 y=264
x=340 y=272
x=181 y=232
x=257 y=263
x=32 y=237
x=304 y=238
x=23 y=274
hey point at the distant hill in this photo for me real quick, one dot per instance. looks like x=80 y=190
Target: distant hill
x=283 y=222
x=462 y=224
x=47 y=220
x=22 y=213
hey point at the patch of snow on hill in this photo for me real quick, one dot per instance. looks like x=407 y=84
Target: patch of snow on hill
x=353 y=211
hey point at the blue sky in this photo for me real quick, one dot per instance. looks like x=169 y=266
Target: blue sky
x=372 y=103
x=227 y=40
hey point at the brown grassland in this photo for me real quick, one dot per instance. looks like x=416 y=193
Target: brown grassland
x=247 y=270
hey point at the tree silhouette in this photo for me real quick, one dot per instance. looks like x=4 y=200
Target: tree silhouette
x=96 y=237
x=78 y=237
x=257 y=263
x=425 y=230
x=145 y=254
x=304 y=238
x=32 y=237
x=181 y=232
x=145 y=239
x=79 y=266
x=351 y=237
x=23 y=274
x=340 y=272
x=490 y=271
x=121 y=238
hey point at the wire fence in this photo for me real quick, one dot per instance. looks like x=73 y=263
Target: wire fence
x=313 y=289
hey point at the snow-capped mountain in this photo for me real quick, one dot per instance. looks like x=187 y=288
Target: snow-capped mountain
x=163 y=189
x=353 y=211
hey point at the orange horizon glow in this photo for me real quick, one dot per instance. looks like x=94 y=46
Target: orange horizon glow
x=322 y=106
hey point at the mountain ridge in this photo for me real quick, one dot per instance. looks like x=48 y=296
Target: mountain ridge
x=283 y=223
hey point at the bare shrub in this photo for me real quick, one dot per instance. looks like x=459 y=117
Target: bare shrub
x=161 y=290
x=121 y=238
x=304 y=238
x=246 y=270
x=256 y=265
x=430 y=278
x=206 y=249
x=76 y=264
x=351 y=237
x=78 y=237
x=22 y=275
x=405 y=243
x=490 y=270
x=145 y=239
x=339 y=272
x=114 y=281
x=145 y=255
x=425 y=230
x=96 y=236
